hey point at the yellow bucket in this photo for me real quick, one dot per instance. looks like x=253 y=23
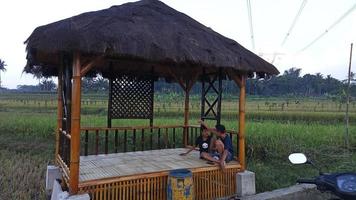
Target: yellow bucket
x=180 y=185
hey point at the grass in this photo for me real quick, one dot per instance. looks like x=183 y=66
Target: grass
x=27 y=138
x=23 y=163
x=270 y=143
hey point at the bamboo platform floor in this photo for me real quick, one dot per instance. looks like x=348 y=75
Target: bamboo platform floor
x=95 y=167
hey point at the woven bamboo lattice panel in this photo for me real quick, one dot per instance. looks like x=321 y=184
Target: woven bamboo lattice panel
x=131 y=97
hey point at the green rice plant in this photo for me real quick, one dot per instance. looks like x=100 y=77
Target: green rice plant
x=27 y=126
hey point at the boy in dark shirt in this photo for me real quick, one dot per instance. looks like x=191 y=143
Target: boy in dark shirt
x=204 y=142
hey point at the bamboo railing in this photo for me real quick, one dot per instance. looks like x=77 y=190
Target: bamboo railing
x=102 y=140
x=96 y=141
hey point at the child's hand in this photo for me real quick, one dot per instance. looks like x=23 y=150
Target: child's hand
x=200 y=121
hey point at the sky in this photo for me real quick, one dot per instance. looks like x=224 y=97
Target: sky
x=271 y=20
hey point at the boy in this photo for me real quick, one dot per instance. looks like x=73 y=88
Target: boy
x=204 y=142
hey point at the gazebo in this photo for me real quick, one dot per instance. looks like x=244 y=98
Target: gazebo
x=133 y=45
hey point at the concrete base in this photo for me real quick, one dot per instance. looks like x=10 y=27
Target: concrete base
x=52 y=174
x=79 y=197
x=245 y=183
x=59 y=194
x=296 y=192
x=54 y=188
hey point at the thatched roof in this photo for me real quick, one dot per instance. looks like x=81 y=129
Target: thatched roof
x=136 y=37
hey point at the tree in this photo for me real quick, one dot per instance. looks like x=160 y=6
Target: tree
x=319 y=83
x=28 y=88
x=2 y=68
x=293 y=72
x=47 y=85
x=291 y=83
x=95 y=84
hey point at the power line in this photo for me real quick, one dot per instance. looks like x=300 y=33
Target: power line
x=329 y=28
x=249 y=11
x=275 y=56
x=294 y=21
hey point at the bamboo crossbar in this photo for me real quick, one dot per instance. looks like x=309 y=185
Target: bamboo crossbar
x=64 y=168
x=146 y=127
x=65 y=133
x=130 y=127
x=150 y=175
x=227 y=131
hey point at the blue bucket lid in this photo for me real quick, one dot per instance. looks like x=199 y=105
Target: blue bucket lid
x=180 y=173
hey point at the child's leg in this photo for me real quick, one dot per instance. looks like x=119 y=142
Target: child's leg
x=208 y=157
x=224 y=155
x=219 y=145
x=220 y=148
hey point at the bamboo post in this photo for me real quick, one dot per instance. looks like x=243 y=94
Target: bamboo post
x=75 y=126
x=186 y=116
x=241 y=137
x=347 y=143
x=59 y=111
x=186 y=86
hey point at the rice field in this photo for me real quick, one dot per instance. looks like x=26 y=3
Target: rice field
x=275 y=128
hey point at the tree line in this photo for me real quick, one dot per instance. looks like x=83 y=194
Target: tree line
x=290 y=83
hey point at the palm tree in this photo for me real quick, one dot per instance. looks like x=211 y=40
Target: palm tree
x=2 y=68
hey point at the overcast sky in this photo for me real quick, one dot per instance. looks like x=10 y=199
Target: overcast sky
x=271 y=21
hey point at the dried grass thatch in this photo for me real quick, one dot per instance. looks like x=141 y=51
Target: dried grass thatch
x=136 y=37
